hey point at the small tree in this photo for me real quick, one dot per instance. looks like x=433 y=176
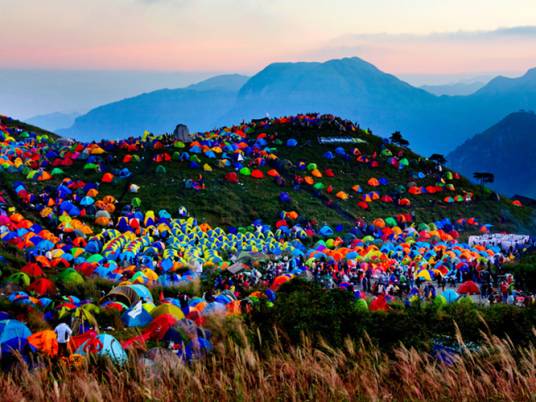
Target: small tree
x=438 y=159
x=398 y=139
x=484 y=178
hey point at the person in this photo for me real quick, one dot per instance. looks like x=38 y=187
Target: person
x=63 y=335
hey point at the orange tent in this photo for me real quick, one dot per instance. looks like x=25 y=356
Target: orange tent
x=92 y=192
x=292 y=215
x=316 y=173
x=45 y=341
x=342 y=195
x=44 y=176
x=102 y=221
x=309 y=180
x=373 y=182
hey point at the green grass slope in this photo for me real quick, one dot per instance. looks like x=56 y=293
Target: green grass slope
x=226 y=204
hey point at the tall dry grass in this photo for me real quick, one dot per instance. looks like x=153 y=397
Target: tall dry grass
x=236 y=371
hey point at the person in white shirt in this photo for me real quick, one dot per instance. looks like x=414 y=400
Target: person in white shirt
x=63 y=335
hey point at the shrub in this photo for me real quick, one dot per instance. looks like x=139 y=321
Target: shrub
x=331 y=315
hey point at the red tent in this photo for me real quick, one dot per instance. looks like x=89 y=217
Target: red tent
x=232 y=177
x=107 y=178
x=43 y=286
x=257 y=174
x=469 y=287
x=77 y=340
x=32 y=269
x=278 y=281
x=386 y=198
x=156 y=330
x=379 y=304
x=404 y=202
x=362 y=204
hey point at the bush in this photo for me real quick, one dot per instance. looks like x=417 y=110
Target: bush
x=304 y=308
x=110 y=317
x=524 y=272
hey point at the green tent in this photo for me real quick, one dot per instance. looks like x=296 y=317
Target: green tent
x=136 y=202
x=312 y=166
x=31 y=174
x=95 y=258
x=390 y=221
x=423 y=226
x=57 y=171
x=161 y=169
x=90 y=166
x=70 y=277
x=361 y=305
x=245 y=171
x=19 y=278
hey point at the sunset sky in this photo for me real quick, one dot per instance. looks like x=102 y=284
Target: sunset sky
x=170 y=43
x=409 y=36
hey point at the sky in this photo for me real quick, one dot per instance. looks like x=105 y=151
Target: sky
x=424 y=41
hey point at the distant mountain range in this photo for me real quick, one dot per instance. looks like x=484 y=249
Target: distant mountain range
x=349 y=87
x=160 y=111
x=53 y=121
x=458 y=88
x=507 y=150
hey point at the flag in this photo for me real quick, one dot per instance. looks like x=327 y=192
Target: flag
x=136 y=310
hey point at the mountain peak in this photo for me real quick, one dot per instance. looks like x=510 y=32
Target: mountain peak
x=504 y=149
x=531 y=73
x=225 y=82
x=502 y=83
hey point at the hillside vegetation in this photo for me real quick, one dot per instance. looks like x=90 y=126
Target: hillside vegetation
x=348 y=173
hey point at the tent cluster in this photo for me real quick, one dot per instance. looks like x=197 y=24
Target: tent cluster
x=70 y=230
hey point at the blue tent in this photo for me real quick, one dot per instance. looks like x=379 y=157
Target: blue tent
x=109 y=347
x=450 y=295
x=196 y=348
x=141 y=320
x=13 y=335
x=326 y=231
x=291 y=142
x=142 y=292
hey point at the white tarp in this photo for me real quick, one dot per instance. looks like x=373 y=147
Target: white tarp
x=504 y=241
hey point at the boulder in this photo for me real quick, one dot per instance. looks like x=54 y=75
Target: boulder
x=182 y=133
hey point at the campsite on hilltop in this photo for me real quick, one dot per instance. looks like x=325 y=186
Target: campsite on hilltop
x=170 y=250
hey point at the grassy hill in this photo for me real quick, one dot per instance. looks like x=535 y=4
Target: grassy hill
x=226 y=204
x=22 y=126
